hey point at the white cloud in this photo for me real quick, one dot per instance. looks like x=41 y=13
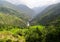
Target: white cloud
x=33 y=3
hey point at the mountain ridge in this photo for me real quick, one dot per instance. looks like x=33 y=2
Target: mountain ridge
x=50 y=14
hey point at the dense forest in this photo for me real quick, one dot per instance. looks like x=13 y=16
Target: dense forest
x=45 y=27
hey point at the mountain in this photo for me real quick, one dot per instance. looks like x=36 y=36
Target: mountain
x=39 y=9
x=10 y=16
x=51 y=15
x=23 y=10
x=7 y=21
x=28 y=11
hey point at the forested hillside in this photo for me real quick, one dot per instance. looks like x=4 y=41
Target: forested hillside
x=45 y=27
x=10 y=21
x=49 y=16
x=18 y=10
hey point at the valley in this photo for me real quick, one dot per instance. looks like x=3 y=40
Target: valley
x=19 y=23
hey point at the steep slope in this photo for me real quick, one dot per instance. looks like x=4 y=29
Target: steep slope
x=18 y=9
x=11 y=16
x=39 y=9
x=13 y=12
x=28 y=11
x=7 y=21
x=51 y=15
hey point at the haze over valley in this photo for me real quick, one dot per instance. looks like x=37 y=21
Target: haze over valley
x=29 y=21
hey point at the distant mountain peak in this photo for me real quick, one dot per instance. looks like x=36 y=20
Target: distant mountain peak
x=22 y=5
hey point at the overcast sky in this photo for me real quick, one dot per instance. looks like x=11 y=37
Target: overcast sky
x=34 y=3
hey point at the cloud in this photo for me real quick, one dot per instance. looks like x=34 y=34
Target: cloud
x=34 y=3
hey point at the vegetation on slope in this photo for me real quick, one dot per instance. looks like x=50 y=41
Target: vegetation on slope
x=49 y=15
x=6 y=36
x=12 y=26
x=50 y=18
x=10 y=21
x=15 y=12
x=32 y=34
